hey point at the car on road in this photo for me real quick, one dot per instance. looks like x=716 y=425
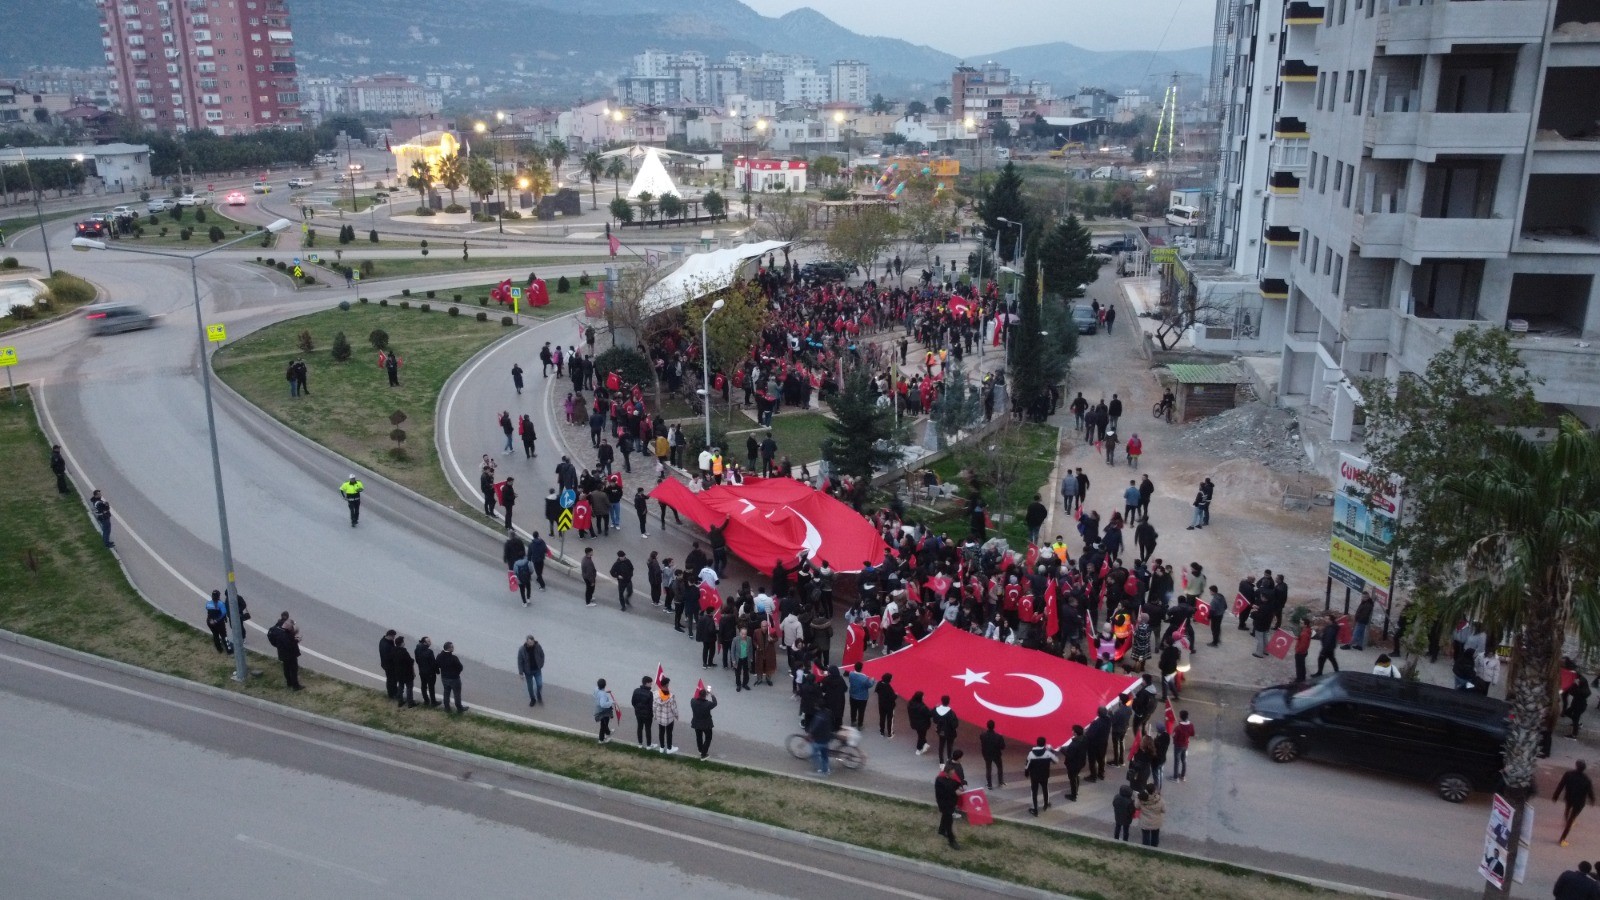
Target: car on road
x=236 y=198
x=91 y=228
x=1084 y=318
x=1449 y=738
x=299 y=182
x=261 y=187
x=118 y=212
x=826 y=270
x=193 y=199
x=158 y=204
x=111 y=318
x=1120 y=245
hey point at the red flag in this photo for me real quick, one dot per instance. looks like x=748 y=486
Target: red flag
x=701 y=685
x=1172 y=718
x=1052 y=617
x=538 y=293
x=386 y=147
x=1568 y=678
x=1280 y=643
x=975 y=803
x=1182 y=640
x=1033 y=557
x=511 y=581
x=1240 y=604
x=660 y=674
x=594 y=304
x=997 y=329
x=1347 y=629
x=855 y=645
x=816 y=672
x=1202 y=613
x=615 y=244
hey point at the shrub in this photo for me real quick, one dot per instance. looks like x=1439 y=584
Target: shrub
x=373 y=235
x=308 y=279
x=507 y=320
x=271 y=261
x=425 y=307
x=64 y=287
x=341 y=348
x=345 y=305
x=455 y=208
x=383 y=302
x=138 y=231
x=362 y=300
x=185 y=234
x=458 y=298
x=405 y=304
x=347 y=234
x=430 y=295
x=258 y=259
x=405 y=292
x=453 y=311
x=216 y=234
x=513 y=214
x=583 y=280
x=144 y=196
x=633 y=367
x=482 y=217
x=483 y=317
x=10 y=262
x=311 y=238
x=282 y=266
x=424 y=251
x=304 y=341
x=366 y=268
x=424 y=211
x=200 y=214
x=563 y=286
x=163 y=231
x=483 y=301
x=176 y=212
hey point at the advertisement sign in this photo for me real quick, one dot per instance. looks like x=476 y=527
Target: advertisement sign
x=1497 y=844
x=1364 y=515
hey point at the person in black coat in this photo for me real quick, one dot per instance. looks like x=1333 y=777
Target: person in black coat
x=700 y=719
x=1037 y=768
x=513 y=549
x=1076 y=754
x=1167 y=665
x=643 y=703
x=834 y=691
x=427 y=671
x=405 y=672
x=386 y=661
x=993 y=747
x=947 y=794
x=887 y=699
x=1095 y=739
x=450 y=669
x=945 y=725
x=58 y=465
x=920 y=717
x=1122 y=813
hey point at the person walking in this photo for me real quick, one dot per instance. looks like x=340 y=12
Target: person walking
x=643 y=703
x=590 y=575
x=427 y=671
x=992 y=745
x=538 y=551
x=529 y=436
x=1182 y=734
x=605 y=706
x=507 y=428
x=1579 y=792
x=743 y=651
x=100 y=507
x=700 y=707
x=1576 y=884
x=1152 y=814
x=1202 y=503
x=622 y=571
x=664 y=709
x=58 y=465
x=1075 y=753
x=516 y=377
x=860 y=686
x=947 y=795
x=351 y=490
x=1122 y=808
x=921 y=719
x=285 y=638
x=1037 y=768
x=641 y=508
x=405 y=673
x=508 y=497
x=530 y=665
x=1329 y=640
x=450 y=668
x=945 y=725
x=887 y=698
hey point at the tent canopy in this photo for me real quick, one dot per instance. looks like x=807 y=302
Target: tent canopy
x=652 y=177
x=703 y=273
x=772 y=519
x=1028 y=693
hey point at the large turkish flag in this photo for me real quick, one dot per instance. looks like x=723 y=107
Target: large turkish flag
x=774 y=519
x=1028 y=693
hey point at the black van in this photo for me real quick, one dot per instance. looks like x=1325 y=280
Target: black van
x=1450 y=738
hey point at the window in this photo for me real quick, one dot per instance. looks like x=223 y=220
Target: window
x=1316 y=248
x=1338 y=176
x=1349 y=84
x=1292 y=152
x=1322 y=178
x=1349 y=184
x=1311 y=175
x=1338 y=273
x=1322 y=82
x=1327 y=259
x=1344 y=7
x=1361 y=87
x=1333 y=89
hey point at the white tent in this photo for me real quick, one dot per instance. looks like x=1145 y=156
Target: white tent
x=652 y=177
x=704 y=273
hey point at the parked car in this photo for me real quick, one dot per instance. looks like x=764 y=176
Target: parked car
x=110 y=318
x=92 y=228
x=118 y=212
x=192 y=199
x=236 y=198
x=261 y=187
x=1120 y=245
x=158 y=204
x=1449 y=738
x=299 y=182
x=1085 y=319
x=826 y=270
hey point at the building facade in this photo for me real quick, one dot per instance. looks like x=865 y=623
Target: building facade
x=989 y=93
x=1430 y=167
x=847 y=80
x=223 y=65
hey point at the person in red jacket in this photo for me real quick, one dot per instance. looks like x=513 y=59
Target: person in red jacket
x=1302 y=646
x=1182 y=733
x=582 y=517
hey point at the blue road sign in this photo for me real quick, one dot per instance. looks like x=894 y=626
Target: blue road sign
x=569 y=498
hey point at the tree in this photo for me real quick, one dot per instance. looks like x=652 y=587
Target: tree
x=1183 y=307
x=1027 y=353
x=927 y=215
x=452 y=172
x=616 y=167
x=1003 y=201
x=537 y=174
x=557 y=152
x=621 y=210
x=341 y=349
x=714 y=203
x=860 y=239
x=480 y=178
x=825 y=167
x=1000 y=131
x=595 y=167
x=1529 y=522
x=671 y=207
x=421 y=179
x=785 y=216
x=735 y=328
x=633 y=314
x=959 y=408
x=916 y=108
x=941 y=105
x=861 y=432
x=880 y=105
x=647 y=205
x=1066 y=259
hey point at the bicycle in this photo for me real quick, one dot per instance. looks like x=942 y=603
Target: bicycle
x=1163 y=410
x=843 y=749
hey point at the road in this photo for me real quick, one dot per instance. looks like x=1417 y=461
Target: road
x=129 y=411
x=134 y=788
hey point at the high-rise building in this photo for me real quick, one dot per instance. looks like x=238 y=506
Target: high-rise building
x=1395 y=171
x=225 y=65
x=847 y=82
x=991 y=92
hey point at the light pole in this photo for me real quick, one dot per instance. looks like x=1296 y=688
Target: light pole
x=705 y=361
x=235 y=625
x=1004 y=223
x=37 y=211
x=481 y=128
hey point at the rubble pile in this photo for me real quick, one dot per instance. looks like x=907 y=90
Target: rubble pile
x=1254 y=431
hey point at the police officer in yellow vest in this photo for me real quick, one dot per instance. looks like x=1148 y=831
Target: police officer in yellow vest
x=352 y=497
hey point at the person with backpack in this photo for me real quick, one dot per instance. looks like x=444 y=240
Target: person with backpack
x=285 y=638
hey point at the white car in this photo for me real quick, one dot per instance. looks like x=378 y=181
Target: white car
x=261 y=187
x=158 y=204
x=195 y=200
x=236 y=198
x=299 y=182
x=118 y=212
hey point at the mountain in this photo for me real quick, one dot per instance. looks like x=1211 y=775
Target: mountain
x=1068 y=67
x=55 y=33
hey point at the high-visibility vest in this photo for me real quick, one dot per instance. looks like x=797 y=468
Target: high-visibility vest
x=351 y=489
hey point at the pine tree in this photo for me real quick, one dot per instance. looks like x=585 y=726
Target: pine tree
x=341 y=348
x=1004 y=201
x=1067 y=259
x=1030 y=356
x=960 y=406
x=861 y=431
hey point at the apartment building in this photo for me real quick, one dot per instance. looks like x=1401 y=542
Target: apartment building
x=1429 y=167
x=848 y=81
x=990 y=92
x=225 y=65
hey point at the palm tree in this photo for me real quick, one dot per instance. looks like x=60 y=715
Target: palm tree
x=595 y=167
x=421 y=179
x=480 y=178
x=539 y=180
x=556 y=151
x=615 y=169
x=647 y=206
x=452 y=172
x=1531 y=571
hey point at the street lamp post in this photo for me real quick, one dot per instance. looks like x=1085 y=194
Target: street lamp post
x=235 y=624
x=38 y=211
x=1005 y=223
x=705 y=361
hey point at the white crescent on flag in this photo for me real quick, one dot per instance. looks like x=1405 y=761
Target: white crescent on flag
x=1048 y=703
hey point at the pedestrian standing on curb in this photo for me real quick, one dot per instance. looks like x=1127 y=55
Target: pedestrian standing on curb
x=1579 y=791
x=1363 y=618
x=590 y=575
x=538 y=551
x=605 y=706
x=405 y=673
x=947 y=795
x=285 y=638
x=427 y=671
x=58 y=465
x=1302 y=646
x=622 y=571
x=386 y=661
x=486 y=486
x=530 y=665
x=552 y=510
x=641 y=507
x=516 y=377
x=992 y=746
x=664 y=709
x=1152 y=815
x=217 y=622
x=1217 y=607
x=1182 y=734
x=508 y=497
x=1122 y=814
x=1037 y=768
x=101 y=508
x=450 y=668
x=643 y=703
x=887 y=698
x=700 y=708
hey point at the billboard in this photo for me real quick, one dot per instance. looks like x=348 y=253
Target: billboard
x=1361 y=553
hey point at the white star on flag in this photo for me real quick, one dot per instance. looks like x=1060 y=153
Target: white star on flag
x=970 y=677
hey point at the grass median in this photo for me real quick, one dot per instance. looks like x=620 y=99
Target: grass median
x=59 y=585
x=350 y=404
x=443 y=259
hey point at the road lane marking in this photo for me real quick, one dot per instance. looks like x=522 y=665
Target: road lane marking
x=574 y=809
x=297 y=856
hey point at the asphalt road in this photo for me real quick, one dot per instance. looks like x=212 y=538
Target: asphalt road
x=133 y=788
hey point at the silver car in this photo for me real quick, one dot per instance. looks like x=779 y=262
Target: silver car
x=111 y=318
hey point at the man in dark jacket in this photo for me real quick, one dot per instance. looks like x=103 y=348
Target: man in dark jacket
x=450 y=669
x=508 y=498
x=643 y=702
x=1034 y=518
x=834 y=690
x=1579 y=791
x=622 y=571
x=58 y=465
x=947 y=794
x=486 y=485
x=428 y=671
x=1076 y=754
x=513 y=549
x=1329 y=639
x=700 y=708
x=993 y=747
x=405 y=673
x=288 y=646
x=705 y=631
x=530 y=665
x=538 y=551
x=945 y=725
x=1037 y=768
x=386 y=661
x=1096 y=738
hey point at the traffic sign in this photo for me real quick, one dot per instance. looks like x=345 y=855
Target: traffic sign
x=356 y=275
x=299 y=272
x=297 y=260
x=564 y=521
x=8 y=356
x=216 y=333
x=516 y=293
x=314 y=257
x=569 y=498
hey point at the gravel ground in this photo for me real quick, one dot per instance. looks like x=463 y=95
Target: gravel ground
x=1255 y=431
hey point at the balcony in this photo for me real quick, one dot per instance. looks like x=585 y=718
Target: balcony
x=1297 y=70
x=1290 y=127
x=1281 y=236
x=1300 y=12
x=1439 y=26
x=1283 y=210
x=1365 y=329
x=1425 y=136
x=1275 y=288
x=1411 y=237
x=1564 y=371
x=1284 y=184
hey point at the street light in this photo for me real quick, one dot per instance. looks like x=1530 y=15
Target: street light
x=705 y=361
x=1004 y=224
x=38 y=211
x=235 y=625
